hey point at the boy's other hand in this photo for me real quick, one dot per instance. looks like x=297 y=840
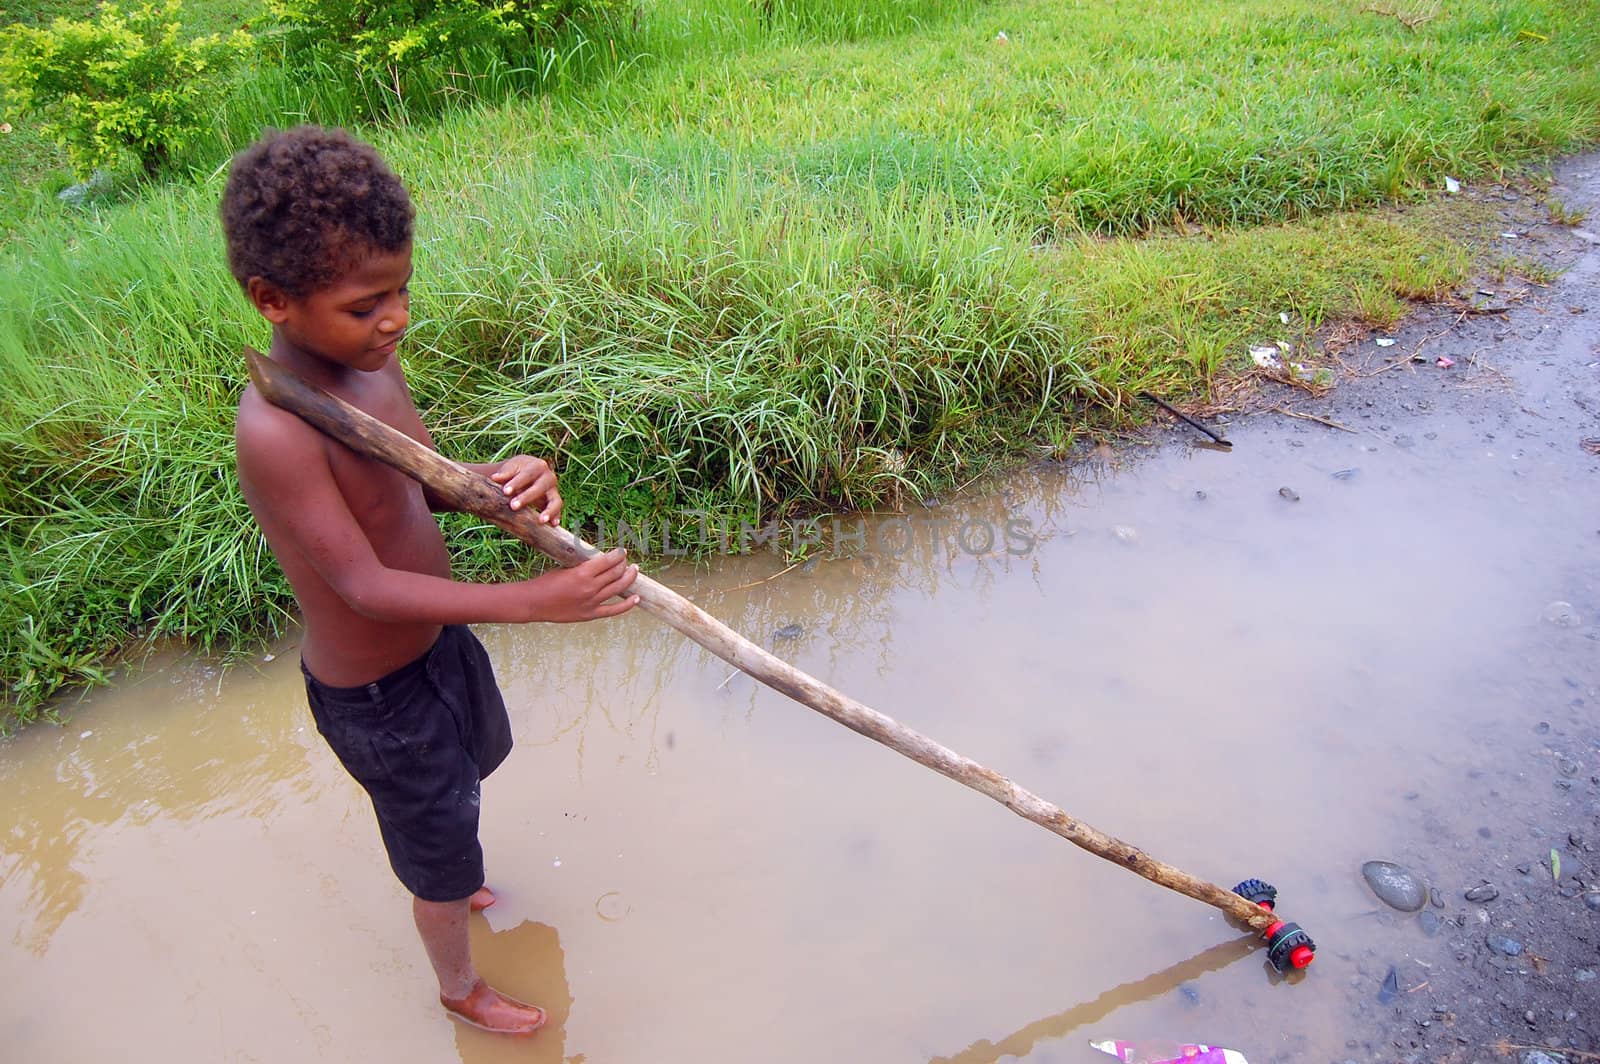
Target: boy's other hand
x=530 y=481
x=582 y=592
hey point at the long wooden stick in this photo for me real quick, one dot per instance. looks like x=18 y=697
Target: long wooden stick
x=477 y=494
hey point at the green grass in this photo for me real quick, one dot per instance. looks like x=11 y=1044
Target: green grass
x=754 y=265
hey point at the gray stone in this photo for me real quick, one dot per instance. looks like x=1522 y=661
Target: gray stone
x=1289 y=493
x=1539 y=1056
x=1395 y=885
x=1504 y=944
x=1592 y=900
x=1584 y=975
x=1483 y=892
x=1429 y=922
x=790 y=631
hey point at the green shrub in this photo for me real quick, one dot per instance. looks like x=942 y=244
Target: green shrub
x=118 y=84
x=382 y=36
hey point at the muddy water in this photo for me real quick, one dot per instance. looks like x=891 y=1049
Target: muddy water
x=694 y=870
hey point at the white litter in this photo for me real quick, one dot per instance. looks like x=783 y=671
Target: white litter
x=1283 y=316
x=1265 y=357
x=1385 y=342
x=1451 y=185
x=269 y=657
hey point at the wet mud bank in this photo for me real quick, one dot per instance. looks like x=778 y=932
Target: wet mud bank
x=1501 y=961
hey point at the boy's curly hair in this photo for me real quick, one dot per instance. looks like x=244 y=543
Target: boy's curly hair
x=303 y=205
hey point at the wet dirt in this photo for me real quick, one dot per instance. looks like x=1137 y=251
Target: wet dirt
x=1243 y=681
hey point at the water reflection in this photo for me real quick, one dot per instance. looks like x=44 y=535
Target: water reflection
x=183 y=744
x=526 y=962
x=1020 y=1043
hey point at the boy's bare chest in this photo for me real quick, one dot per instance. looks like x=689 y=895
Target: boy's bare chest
x=383 y=500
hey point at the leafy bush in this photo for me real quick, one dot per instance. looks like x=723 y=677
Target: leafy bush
x=382 y=35
x=118 y=83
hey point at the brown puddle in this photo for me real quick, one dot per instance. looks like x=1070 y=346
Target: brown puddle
x=699 y=871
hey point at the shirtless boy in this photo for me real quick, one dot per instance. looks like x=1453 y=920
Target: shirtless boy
x=319 y=237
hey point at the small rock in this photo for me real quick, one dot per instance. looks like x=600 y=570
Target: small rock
x=1289 y=493
x=1395 y=885
x=1429 y=922
x=790 y=631
x=1562 y=615
x=1390 y=988
x=1584 y=975
x=1525 y=868
x=1483 y=892
x=1200 y=495
x=1504 y=944
x=1529 y=1018
x=1539 y=1056
x=1191 y=996
x=1484 y=833
x=1435 y=897
x=1566 y=766
x=1592 y=900
x=1542 y=728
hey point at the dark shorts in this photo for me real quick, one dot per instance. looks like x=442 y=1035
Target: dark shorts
x=419 y=740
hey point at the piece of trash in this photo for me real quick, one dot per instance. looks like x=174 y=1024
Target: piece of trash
x=1289 y=493
x=556 y=863
x=1555 y=865
x=1485 y=292
x=1168 y=1053
x=1444 y=362
x=1390 y=988
x=1509 y=236
x=1283 y=316
x=1265 y=357
x=5 y=127
x=1385 y=341
x=85 y=735
x=1451 y=185
x=1001 y=38
x=269 y=657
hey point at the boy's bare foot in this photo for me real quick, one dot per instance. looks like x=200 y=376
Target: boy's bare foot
x=487 y=1008
x=481 y=900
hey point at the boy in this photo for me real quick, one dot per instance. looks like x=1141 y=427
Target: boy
x=319 y=237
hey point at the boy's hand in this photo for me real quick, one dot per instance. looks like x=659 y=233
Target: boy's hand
x=581 y=593
x=530 y=481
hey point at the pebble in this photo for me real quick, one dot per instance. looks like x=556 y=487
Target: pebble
x=1592 y=900
x=1435 y=897
x=1504 y=944
x=1562 y=615
x=1429 y=923
x=1482 y=892
x=1539 y=1056
x=1542 y=728
x=1395 y=885
x=1584 y=975
x=1525 y=868
x=1289 y=493
x=790 y=631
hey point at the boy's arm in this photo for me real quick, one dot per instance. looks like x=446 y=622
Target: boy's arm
x=284 y=472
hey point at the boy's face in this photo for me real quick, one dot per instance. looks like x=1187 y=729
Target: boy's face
x=354 y=322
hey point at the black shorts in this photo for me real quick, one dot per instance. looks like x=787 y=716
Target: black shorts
x=419 y=740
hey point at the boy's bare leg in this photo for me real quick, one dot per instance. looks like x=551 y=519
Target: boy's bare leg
x=443 y=927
